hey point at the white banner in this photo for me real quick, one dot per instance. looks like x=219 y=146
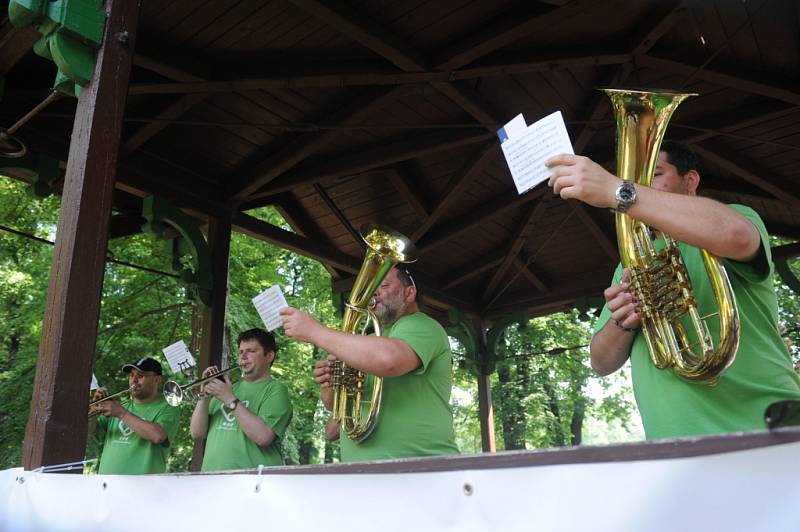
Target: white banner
x=750 y=490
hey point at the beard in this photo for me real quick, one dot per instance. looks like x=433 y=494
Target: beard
x=389 y=310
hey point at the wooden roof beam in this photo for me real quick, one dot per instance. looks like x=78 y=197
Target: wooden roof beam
x=608 y=246
x=387 y=153
x=472 y=102
x=354 y=235
x=472 y=167
x=745 y=169
x=736 y=82
x=658 y=23
x=745 y=117
x=373 y=77
x=505 y=30
x=297 y=217
x=537 y=279
x=15 y=44
x=471 y=269
x=366 y=32
x=303 y=146
x=474 y=217
x=307 y=247
x=400 y=180
x=515 y=245
x=151 y=129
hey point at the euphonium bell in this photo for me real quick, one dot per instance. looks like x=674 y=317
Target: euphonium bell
x=357 y=395
x=658 y=276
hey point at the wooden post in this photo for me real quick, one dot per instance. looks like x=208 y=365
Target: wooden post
x=486 y=413
x=57 y=423
x=212 y=337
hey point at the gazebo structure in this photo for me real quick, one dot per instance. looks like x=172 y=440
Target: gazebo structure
x=190 y=114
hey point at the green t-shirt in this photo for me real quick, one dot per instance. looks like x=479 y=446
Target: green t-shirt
x=228 y=447
x=127 y=453
x=761 y=374
x=415 y=417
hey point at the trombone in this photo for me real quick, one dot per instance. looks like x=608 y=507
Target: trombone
x=92 y=404
x=174 y=392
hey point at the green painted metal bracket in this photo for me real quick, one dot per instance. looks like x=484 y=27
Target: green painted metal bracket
x=787 y=275
x=481 y=358
x=190 y=247
x=37 y=168
x=72 y=31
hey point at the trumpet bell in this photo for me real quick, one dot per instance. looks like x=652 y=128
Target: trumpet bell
x=173 y=394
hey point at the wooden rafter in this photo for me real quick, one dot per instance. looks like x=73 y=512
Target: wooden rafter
x=737 y=82
x=510 y=27
x=14 y=44
x=513 y=248
x=265 y=171
x=474 y=217
x=401 y=181
x=354 y=235
x=376 y=76
x=537 y=279
x=470 y=170
x=293 y=242
x=301 y=222
x=375 y=37
x=606 y=244
x=471 y=269
x=745 y=117
x=150 y=130
x=368 y=160
x=749 y=171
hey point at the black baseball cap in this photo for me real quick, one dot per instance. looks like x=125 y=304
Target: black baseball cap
x=145 y=364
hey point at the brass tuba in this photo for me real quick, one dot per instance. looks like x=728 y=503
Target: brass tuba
x=658 y=276
x=357 y=395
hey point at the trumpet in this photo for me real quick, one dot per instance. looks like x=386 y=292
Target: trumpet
x=174 y=392
x=93 y=404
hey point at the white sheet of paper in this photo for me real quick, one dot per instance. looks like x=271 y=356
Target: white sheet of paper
x=93 y=385
x=179 y=357
x=527 y=151
x=268 y=303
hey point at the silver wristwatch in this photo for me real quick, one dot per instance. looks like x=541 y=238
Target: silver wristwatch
x=625 y=196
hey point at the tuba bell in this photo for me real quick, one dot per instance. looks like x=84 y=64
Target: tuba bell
x=658 y=276
x=357 y=395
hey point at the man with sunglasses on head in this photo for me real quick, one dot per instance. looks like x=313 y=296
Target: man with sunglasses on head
x=412 y=355
x=136 y=436
x=245 y=422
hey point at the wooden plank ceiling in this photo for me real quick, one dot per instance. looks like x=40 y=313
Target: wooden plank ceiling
x=345 y=112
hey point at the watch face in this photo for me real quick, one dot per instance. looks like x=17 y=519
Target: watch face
x=626 y=194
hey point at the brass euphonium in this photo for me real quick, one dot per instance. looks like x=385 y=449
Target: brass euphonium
x=658 y=276
x=357 y=395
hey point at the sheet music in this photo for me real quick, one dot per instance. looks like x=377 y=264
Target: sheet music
x=93 y=385
x=526 y=149
x=179 y=357
x=268 y=303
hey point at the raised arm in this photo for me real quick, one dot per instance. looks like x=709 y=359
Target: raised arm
x=376 y=355
x=697 y=221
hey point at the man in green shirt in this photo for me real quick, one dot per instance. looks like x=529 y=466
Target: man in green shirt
x=412 y=355
x=244 y=422
x=762 y=371
x=136 y=436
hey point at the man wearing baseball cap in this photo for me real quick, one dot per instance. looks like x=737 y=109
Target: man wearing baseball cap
x=136 y=434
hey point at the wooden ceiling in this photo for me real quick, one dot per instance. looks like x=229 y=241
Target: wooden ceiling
x=340 y=113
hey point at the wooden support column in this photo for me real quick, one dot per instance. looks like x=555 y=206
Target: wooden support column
x=212 y=338
x=486 y=413
x=57 y=424
x=485 y=410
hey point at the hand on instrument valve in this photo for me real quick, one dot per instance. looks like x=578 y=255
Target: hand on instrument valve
x=576 y=177
x=112 y=407
x=322 y=376
x=300 y=325
x=624 y=307
x=221 y=389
